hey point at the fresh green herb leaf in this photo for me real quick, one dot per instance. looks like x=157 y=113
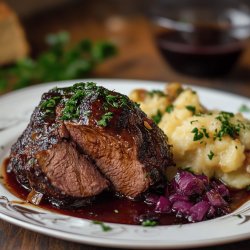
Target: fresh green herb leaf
x=170 y=108
x=210 y=155
x=157 y=117
x=193 y=121
x=105 y=119
x=149 y=223
x=57 y=63
x=156 y=92
x=105 y=228
x=227 y=128
x=198 y=135
x=244 y=108
x=71 y=108
x=112 y=100
x=137 y=105
x=48 y=106
x=205 y=132
x=191 y=108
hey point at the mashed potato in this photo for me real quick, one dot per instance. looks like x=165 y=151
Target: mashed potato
x=215 y=143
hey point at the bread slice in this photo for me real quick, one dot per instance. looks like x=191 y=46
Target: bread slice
x=13 y=43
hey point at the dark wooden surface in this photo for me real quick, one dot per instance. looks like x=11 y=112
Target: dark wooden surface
x=138 y=59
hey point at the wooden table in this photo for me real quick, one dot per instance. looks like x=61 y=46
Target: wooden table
x=138 y=59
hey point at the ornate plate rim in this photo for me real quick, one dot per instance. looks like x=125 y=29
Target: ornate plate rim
x=117 y=242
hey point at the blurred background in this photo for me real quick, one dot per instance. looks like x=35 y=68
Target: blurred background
x=196 y=42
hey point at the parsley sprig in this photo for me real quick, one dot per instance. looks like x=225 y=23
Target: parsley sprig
x=104 y=227
x=105 y=119
x=170 y=108
x=149 y=223
x=244 y=109
x=56 y=63
x=48 y=106
x=156 y=92
x=191 y=108
x=227 y=127
x=210 y=155
x=157 y=117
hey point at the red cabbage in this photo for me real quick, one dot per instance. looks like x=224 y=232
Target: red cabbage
x=163 y=205
x=152 y=199
x=178 y=197
x=198 y=211
x=182 y=207
x=221 y=188
x=193 y=197
x=211 y=212
x=215 y=198
x=188 y=184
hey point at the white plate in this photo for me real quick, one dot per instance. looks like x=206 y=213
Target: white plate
x=15 y=110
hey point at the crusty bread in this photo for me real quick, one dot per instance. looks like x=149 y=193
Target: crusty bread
x=13 y=44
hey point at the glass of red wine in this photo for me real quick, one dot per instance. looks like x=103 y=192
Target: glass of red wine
x=199 y=37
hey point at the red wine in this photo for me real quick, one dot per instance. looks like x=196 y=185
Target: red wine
x=208 y=51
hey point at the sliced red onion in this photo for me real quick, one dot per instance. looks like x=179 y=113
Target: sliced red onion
x=178 y=197
x=215 y=198
x=203 y=178
x=188 y=184
x=221 y=188
x=198 y=211
x=211 y=212
x=182 y=207
x=163 y=205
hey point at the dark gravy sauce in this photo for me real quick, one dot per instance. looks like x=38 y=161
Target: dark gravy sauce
x=110 y=208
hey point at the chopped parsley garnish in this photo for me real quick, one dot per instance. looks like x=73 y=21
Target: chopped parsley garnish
x=105 y=228
x=156 y=92
x=149 y=223
x=198 y=135
x=112 y=100
x=191 y=108
x=227 y=128
x=105 y=119
x=71 y=109
x=205 y=132
x=137 y=105
x=193 y=121
x=244 y=109
x=170 y=108
x=211 y=155
x=48 y=106
x=157 y=118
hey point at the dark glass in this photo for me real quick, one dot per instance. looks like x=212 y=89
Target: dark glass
x=209 y=52
x=202 y=38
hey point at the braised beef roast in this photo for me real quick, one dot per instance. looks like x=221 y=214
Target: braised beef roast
x=85 y=139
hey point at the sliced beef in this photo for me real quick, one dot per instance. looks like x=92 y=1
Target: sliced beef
x=85 y=139
x=70 y=171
